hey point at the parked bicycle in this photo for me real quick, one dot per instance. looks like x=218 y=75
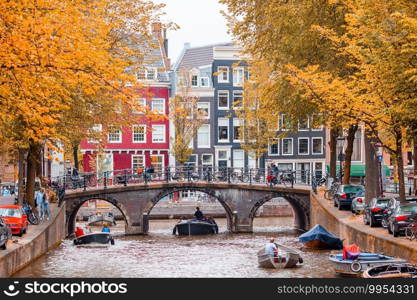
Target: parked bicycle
x=329 y=194
x=32 y=217
x=411 y=230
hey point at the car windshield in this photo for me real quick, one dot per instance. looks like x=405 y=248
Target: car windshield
x=408 y=209
x=352 y=188
x=360 y=194
x=10 y=212
x=381 y=203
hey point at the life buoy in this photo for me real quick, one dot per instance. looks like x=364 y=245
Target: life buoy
x=356 y=266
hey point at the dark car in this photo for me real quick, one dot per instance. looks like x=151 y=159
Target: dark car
x=374 y=211
x=345 y=194
x=401 y=217
x=392 y=205
x=5 y=234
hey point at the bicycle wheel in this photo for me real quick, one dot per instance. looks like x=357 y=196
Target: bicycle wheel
x=33 y=219
x=409 y=233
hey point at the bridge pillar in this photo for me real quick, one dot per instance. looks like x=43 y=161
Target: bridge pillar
x=241 y=223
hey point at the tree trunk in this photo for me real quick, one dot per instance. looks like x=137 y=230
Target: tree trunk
x=415 y=163
x=348 y=153
x=32 y=165
x=75 y=155
x=333 y=154
x=372 y=183
x=21 y=176
x=400 y=165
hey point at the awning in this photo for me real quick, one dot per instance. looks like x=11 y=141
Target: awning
x=358 y=170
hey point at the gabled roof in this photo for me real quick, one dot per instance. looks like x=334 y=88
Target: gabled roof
x=196 y=57
x=157 y=59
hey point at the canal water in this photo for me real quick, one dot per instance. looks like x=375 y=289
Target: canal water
x=160 y=254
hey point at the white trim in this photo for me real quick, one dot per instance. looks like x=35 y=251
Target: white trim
x=133 y=134
x=119 y=141
x=218 y=75
x=208 y=108
x=144 y=105
x=292 y=147
x=228 y=157
x=269 y=147
x=160 y=155
x=228 y=131
x=164 y=104
x=164 y=133
x=312 y=145
x=137 y=155
x=240 y=123
x=209 y=138
x=308 y=145
x=233 y=99
x=218 y=100
x=305 y=129
x=212 y=160
x=243 y=77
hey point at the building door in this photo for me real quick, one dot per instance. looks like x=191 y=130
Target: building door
x=157 y=162
x=303 y=173
x=223 y=158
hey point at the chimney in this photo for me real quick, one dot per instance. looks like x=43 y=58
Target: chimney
x=157 y=30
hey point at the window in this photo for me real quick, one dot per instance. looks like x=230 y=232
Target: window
x=94 y=131
x=203 y=136
x=157 y=162
x=237 y=124
x=147 y=74
x=237 y=98
x=251 y=160
x=238 y=158
x=141 y=102
x=223 y=74
x=158 y=133
x=203 y=109
x=139 y=133
x=223 y=99
x=274 y=147
x=303 y=146
x=238 y=76
x=287 y=146
x=158 y=105
x=223 y=129
x=192 y=162
x=303 y=124
x=204 y=82
x=285 y=167
x=115 y=135
x=285 y=123
x=207 y=159
x=194 y=80
x=317 y=145
x=138 y=161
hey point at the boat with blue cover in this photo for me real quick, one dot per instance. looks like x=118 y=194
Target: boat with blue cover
x=319 y=238
x=356 y=266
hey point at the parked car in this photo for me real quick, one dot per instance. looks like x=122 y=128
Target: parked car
x=345 y=194
x=5 y=234
x=392 y=205
x=358 y=203
x=15 y=218
x=374 y=211
x=401 y=217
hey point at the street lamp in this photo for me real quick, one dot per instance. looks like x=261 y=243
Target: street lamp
x=341 y=157
x=379 y=156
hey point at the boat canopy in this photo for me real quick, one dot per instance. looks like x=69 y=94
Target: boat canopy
x=318 y=232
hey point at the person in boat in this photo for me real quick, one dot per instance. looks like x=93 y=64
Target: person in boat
x=198 y=214
x=271 y=248
x=211 y=220
x=79 y=232
x=105 y=228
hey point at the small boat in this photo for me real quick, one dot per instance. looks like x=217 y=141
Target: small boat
x=319 y=238
x=101 y=219
x=391 y=271
x=94 y=238
x=287 y=258
x=195 y=227
x=355 y=267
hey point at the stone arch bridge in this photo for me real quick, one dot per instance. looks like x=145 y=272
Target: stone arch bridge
x=240 y=201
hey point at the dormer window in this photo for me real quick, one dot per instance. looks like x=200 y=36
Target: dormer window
x=204 y=82
x=147 y=74
x=194 y=80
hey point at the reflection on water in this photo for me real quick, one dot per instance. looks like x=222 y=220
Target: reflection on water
x=160 y=254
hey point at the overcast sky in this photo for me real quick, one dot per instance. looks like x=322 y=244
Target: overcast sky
x=200 y=21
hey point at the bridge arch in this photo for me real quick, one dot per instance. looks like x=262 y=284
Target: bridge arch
x=75 y=206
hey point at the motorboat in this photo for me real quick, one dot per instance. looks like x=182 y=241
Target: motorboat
x=356 y=266
x=104 y=238
x=286 y=258
x=391 y=271
x=101 y=219
x=195 y=227
x=319 y=237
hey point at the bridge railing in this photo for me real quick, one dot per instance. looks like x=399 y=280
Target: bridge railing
x=209 y=174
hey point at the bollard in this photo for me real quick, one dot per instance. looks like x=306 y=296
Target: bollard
x=85 y=187
x=250 y=176
x=105 y=179
x=125 y=183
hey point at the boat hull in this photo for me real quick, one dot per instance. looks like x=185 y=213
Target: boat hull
x=391 y=271
x=94 y=238
x=287 y=258
x=195 y=228
x=319 y=237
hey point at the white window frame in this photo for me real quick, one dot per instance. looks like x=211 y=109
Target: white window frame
x=282 y=123
x=312 y=145
x=145 y=72
x=144 y=134
x=207 y=164
x=234 y=157
x=198 y=140
x=162 y=163
x=201 y=81
x=292 y=146
x=240 y=122
x=270 y=144
x=163 y=131
x=219 y=75
x=233 y=98
x=163 y=105
x=115 y=142
x=208 y=108
x=308 y=146
x=197 y=80
x=138 y=155
x=218 y=100
x=142 y=103
x=96 y=128
x=228 y=131
x=235 y=72
x=304 y=129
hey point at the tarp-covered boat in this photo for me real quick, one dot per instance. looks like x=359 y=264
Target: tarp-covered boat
x=94 y=238
x=391 y=271
x=286 y=258
x=195 y=227
x=364 y=260
x=319 y=238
